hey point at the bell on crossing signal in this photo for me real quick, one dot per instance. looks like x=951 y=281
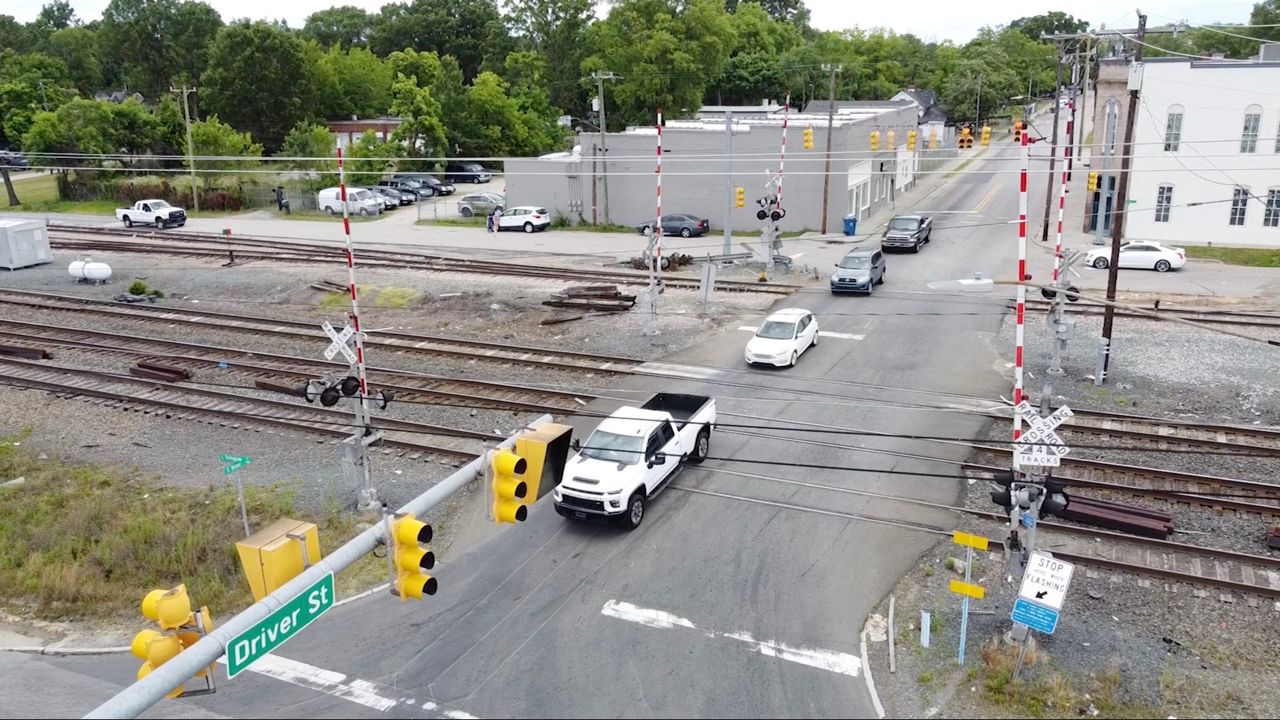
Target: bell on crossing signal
x=741 y=194
x=808 y=138
x=875 y=140
x=509 y=487
x=411 y=559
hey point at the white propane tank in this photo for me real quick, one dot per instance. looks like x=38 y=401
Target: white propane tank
x=89 y=271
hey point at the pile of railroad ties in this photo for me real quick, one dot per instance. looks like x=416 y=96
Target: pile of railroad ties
x=588 y=298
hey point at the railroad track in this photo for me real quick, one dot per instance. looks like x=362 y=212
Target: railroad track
x=276 y=367
x=1208 y=316
x=183 y=402
x=504 y=353
x=84 y=238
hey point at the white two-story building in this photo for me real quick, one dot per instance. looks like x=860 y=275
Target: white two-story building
x=1206 y=165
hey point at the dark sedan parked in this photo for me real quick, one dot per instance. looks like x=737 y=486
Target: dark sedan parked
x=682 y=225
x=438 y=187
x=399 y=196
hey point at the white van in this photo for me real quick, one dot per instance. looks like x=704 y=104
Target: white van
x=359 y=201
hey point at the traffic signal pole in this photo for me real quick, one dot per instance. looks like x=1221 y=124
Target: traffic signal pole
x=135 y=699
x=831 y=115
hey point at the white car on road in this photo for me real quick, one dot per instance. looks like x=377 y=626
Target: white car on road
x=1144 y=255
x=524 y=217
x=783 y=338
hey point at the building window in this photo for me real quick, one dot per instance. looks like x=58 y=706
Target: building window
x=1271 y=218
x=1249 y=137
x=1164 y=199
x=1173 y=129
x=1239 y=203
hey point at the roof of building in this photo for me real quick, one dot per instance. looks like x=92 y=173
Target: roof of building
x=823 y=106
x=923 y=98
x=934 y=113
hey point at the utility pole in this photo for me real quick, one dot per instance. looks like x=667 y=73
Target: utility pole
x=1117 y=222
x=600 y=77
x=728 y=181
x=1086 y=72
x=831 y=118
x=977 y=114
x=191 y=155
x=1053 y=156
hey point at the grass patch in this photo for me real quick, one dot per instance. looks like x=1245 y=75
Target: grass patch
x=87 y=541
x=307 y=216
x=395 y=297
x=1251 y=257
x=392 y=297
x=455 y=222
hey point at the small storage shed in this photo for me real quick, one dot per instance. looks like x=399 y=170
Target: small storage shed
x=23 y=243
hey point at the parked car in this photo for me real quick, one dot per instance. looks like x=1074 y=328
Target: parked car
x=472 y=172
x=1148 y=255
x=480 y=204
x=907 y=231
x=14 y=160
x=399 y=196
x=527 y=218
x=388 y=202
x=419 y=190
x=631 y=457
x=438 y=187
x=679 y=224
x=359 y=201
x=782 y=338
x=860 y=270
x=152 y=212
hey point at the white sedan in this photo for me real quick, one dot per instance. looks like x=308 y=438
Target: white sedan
x=524 y=217
x=783 y=338
x=1144 y=255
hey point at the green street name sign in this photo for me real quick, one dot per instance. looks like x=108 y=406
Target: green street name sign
x=235 y=462
x=251 y=645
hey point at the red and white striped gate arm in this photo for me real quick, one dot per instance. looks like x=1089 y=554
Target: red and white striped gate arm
x=1022 y=294
x=351 y=281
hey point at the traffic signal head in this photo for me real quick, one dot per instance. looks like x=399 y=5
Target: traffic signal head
x=986 y=135
x=808 y=138
x=933 y=139
x=1017 y=130
x=875 y=140
x=408 y=535
x=911 y=140
x=741 y=196
x=170 y=608
x=1093 y=181
x=890 y=140
x=509 y=487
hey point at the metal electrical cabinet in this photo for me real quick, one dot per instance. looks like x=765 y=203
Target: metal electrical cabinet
x=23 y=243
x=277 y=554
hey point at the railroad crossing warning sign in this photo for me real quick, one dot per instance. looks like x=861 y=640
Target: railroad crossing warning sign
x=339 y=344
x=1046 y=580
x=1041 y=444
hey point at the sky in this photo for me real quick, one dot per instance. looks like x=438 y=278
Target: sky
x=930 y=20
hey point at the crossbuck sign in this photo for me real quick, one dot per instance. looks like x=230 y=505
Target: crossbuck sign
x=339 y=344
x=1041 y=444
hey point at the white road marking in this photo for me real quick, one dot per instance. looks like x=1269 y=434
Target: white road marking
x=871 y=683
x=363 y=692
x=679 y=371
x=829 y=660
x=823 y=333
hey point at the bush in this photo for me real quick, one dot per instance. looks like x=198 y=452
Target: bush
x=138 y=288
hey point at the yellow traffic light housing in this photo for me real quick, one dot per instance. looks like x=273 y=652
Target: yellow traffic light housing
x=545 y=450
x=986 y=135
x=410 y=560
x=1017 y=130
x=180 y=628
x=741 y=198
x=933 y=139
x=875 y=140
x=890 y=140
x=808 y=138
x=509 y=487
x=1093 y=181
x=911 y=140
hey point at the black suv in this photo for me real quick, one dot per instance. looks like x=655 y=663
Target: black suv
x=472 y=172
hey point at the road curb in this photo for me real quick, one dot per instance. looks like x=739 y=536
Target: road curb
x=871 y=683
x=54 y=650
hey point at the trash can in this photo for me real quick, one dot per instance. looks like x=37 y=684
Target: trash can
x=850 y=225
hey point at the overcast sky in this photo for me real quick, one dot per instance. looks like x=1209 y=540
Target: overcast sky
x=931 y=20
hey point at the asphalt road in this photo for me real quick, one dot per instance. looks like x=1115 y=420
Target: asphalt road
x=743 y=593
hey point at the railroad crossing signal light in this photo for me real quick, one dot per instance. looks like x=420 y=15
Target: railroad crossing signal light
x=911 y=140
x=179 y=629
x=411 y=559
x=986 y=135
x=1093 y=181
x=875 y=140
x=808 y=138
x=509 y=487
x=741 y=196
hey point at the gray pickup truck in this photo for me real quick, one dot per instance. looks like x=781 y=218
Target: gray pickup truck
x=907 y=231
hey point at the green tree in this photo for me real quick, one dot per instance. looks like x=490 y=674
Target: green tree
x=492 y=123
x=1037 y=26
x=525 y=73
x=788 y=11
x=78 y=48
x=1265 y=13
x=449 y=93
x=308 y=140
x=80 y=127
x=257 y=80
x=133 y=128
x=214 y=138
x=29 y=83
x=54 y=16
x=362 y=83
x=151 y=42
x=665 y=52
x=421 y=67
x=346 y=26
x=14 y=35
x=469 y=30
x=421 y=131
x=557 y=30
x=368 y=158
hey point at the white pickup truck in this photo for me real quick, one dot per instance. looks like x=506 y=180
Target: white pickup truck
x=152 y=212
x=631 y=457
